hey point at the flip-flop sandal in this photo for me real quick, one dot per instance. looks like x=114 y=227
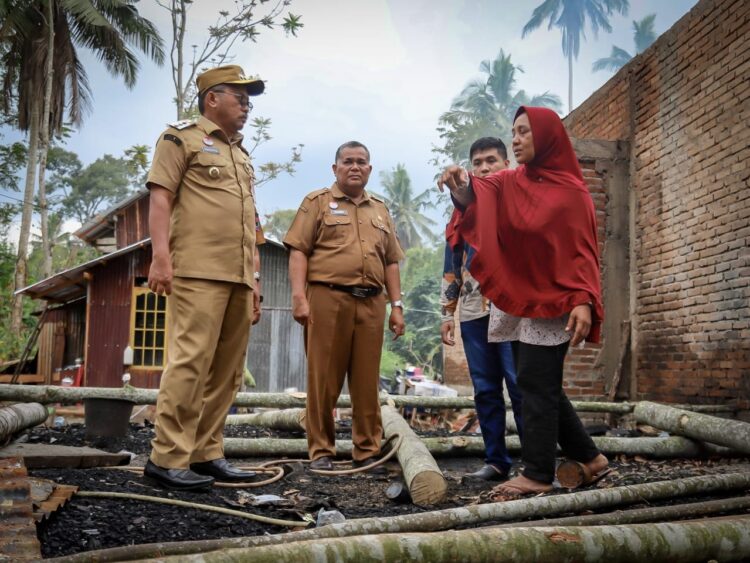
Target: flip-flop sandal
x=516 y=493
x=573 y=474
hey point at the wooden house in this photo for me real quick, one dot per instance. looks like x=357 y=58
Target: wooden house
x=97 y=309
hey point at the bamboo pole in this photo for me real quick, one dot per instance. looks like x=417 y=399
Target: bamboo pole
x=734 y=434
x=422 y=475
x=686 y=542
x=437 y=520
x=15 y=418
x=46 y=394
x=669 y=447
x=640 y=515
x=286 y=419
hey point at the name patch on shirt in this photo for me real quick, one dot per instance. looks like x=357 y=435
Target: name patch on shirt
x=212 y=150
x=339 y=212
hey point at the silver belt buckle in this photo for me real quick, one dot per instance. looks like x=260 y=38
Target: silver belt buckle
x=360 y=292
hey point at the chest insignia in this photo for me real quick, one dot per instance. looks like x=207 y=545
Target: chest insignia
x=333 y=205
x=208 y=141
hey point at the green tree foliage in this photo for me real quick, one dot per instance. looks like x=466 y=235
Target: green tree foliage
x=412 y=226
x=570 y=17
x=95 y=187
x=643 y=36
x=485 y=108
x=43 y=78
x=276 y=224
x=420 y=279
x=12 y=159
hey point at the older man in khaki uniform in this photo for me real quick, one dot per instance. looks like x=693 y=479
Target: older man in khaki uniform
x=203 y=224
x=343 y=251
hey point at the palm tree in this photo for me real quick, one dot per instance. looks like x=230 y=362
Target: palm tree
x=42 y=37
x=486 y=107
x=406 y=210
x=643 y=36
x=570 y=17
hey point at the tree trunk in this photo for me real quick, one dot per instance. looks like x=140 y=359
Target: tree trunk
x=639 y=515
x=422 y=475
x=26 y=217
x=685 y=542
x=671 y=447
x=570 y=82
x=445 y=519
x=44 y=145
x=15 y=418
x=730 y=433
x=288 y=419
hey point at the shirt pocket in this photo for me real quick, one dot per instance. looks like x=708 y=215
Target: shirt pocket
x=336 y=228
x=382 y=233
x=212 y=170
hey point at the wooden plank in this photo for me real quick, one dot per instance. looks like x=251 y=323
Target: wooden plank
x=624 y=347
x=46 y=456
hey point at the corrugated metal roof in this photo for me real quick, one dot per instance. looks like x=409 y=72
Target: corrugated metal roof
x=68 y=285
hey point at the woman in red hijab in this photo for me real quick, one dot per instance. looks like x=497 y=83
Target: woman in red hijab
x=534 y=231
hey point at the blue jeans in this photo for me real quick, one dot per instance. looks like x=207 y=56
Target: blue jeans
x=489 y=364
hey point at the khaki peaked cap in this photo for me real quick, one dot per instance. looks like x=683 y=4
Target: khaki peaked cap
x=230 y=74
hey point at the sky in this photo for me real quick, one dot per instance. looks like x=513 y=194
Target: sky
x=377 y=71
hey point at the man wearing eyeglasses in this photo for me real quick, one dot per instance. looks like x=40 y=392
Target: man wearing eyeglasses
x=204 y=235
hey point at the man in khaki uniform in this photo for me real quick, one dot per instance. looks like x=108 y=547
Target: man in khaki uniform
x=343 y=251
x=203 y=224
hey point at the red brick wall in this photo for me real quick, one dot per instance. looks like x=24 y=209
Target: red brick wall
x=583 y=377
x=684 y=105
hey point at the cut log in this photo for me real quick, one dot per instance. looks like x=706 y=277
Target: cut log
x=733 y=434
x=287 y=419
x=543 y=506
x=47 y=394
x=663 y=448
x=640 y=515
x=422 y=475
x=686 y=542
x=15 y=418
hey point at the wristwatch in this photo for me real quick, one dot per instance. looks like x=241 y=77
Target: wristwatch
x=398 y=303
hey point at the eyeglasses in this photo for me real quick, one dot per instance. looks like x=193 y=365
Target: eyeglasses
x=243 y=99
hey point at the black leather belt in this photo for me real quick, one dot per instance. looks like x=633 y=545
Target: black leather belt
x=356 y=291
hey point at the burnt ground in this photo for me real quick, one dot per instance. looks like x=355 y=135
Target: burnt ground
x=86 y=523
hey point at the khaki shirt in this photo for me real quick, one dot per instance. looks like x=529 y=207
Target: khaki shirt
x=346 y=243
x=212 y=231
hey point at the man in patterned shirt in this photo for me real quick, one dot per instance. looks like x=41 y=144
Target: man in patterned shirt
x=490 y=363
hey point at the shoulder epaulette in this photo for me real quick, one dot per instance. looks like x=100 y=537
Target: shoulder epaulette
x=180 y=125
x=316 y=193
x=377 y=198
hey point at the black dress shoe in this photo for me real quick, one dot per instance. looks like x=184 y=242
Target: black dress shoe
x=177 y=479
x=324 y=463
x=487 y=473
x=221 y=470
x=379 y=470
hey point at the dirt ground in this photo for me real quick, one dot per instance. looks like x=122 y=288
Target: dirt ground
x=86 y=523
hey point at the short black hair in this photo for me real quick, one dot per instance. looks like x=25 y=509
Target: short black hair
x=202 y=97
x=486 y=143
x=351 y=145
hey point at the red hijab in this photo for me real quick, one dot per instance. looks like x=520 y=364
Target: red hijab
x=534 y=231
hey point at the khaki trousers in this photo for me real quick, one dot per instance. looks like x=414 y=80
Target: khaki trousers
x=209 y=326
x=343 y=338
